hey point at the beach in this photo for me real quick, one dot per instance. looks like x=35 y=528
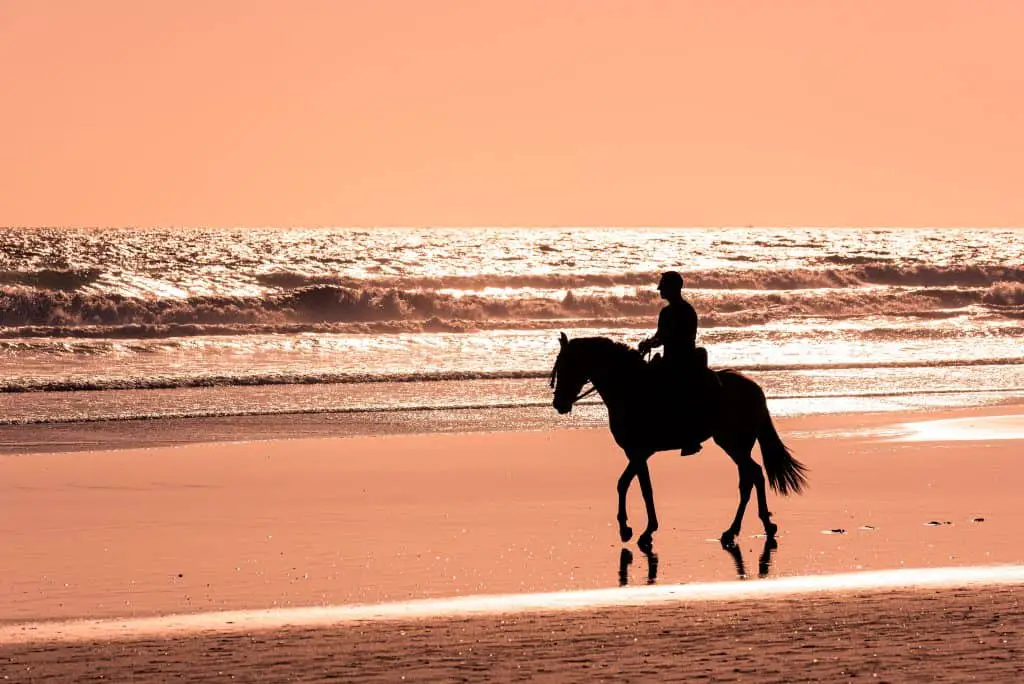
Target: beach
x=124 y=535
x=314 y=319
x=331 y=453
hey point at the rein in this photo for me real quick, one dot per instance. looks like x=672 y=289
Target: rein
x=551 y=383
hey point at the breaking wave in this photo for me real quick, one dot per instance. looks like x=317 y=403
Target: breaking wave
x=286 y=378
x=864 y=272
x=717 y=329
x=52 y=279
x=337 y=308
x=1005 y=294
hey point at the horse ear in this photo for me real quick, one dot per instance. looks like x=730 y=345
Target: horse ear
x=563 y=340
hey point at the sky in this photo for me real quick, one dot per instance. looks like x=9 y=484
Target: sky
x=511 y=113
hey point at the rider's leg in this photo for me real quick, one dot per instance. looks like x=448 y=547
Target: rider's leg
x=702 y=390
x=692 y=418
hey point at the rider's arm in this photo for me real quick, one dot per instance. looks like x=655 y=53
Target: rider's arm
x=656 y=339
x=689 y=331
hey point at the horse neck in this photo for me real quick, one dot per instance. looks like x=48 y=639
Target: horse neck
x=611 y=376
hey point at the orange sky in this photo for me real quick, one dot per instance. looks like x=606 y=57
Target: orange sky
x=511 y=112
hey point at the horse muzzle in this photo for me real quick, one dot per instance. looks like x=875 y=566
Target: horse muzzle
x=562 y=406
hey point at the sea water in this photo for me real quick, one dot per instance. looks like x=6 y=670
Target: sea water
x=116 y=325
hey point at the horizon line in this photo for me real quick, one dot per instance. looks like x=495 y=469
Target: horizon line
x=529 y=226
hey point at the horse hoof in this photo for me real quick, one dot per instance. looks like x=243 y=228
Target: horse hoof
x=728 y=539
x=771 y=529
x=625 y=533
x=645 y=543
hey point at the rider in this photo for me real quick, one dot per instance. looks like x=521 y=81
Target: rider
x=677 y=324
x=677 y=332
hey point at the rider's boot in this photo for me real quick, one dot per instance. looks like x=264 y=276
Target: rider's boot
x=691 y=423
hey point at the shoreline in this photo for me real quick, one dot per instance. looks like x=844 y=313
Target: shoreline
x=144 y=433
x=838 y=585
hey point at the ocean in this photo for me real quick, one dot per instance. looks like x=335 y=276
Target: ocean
x=386 y=327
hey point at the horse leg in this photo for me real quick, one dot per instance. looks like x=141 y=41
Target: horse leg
x=728 y=538
x=749 y=472
x=625 y=532
x=755 y=476
x=770 y=528
x=643 y=474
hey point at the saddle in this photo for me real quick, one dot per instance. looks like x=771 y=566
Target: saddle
x=692 y=389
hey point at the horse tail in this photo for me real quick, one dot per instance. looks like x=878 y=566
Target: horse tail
x=785 y=473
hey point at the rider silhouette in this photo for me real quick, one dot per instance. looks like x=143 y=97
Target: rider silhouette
x=677 y=332
x=677 y=324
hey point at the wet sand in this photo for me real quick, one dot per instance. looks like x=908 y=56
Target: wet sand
x=943 y=636
x=325 y=522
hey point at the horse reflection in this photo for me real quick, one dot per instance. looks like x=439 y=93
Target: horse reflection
x=764 y=562
x=626 y=559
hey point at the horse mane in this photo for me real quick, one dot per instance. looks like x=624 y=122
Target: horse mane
x=600 y=346
x=617 y=351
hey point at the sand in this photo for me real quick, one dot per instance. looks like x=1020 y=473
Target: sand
x=328 y=522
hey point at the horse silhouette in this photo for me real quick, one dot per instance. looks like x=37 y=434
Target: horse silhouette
x=643 y=422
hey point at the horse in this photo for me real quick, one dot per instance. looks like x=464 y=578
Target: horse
x=643 y=423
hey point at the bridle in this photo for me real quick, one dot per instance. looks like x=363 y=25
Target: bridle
x=584 y=394
x=551 y=383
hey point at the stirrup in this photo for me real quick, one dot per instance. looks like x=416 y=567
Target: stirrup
x=690 y=449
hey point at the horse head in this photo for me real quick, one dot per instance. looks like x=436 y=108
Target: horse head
x=567 y=376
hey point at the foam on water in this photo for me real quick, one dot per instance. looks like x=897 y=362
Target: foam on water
x=982 y=428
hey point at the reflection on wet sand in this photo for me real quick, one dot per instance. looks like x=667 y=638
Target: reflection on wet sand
x=626 y=559
x=764 y=561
